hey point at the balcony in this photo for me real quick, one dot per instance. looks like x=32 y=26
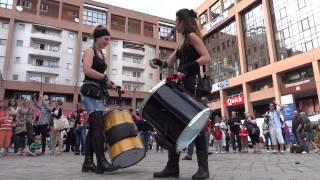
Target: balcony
x=139 y=80
x=46 y=37
x=33 y=51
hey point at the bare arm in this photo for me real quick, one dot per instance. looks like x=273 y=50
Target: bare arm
x=172 y=59
x=278 y=104
x=87 y=63
x=198 y=44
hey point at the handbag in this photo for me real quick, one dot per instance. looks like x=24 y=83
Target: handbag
x=205 y=84
x=21 y=127
x=92 y=89
x=60 y=124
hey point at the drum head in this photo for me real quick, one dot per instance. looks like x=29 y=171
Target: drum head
x=129 y=157
x=193 y=129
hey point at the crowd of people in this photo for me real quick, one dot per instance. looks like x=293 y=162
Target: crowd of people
x=28 y=133
x=276 y=136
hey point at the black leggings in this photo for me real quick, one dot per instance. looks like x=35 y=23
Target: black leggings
x=95 y=139
x=254 y=138
x=43 y=130
x=21 y=139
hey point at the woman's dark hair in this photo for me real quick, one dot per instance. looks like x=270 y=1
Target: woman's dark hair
x=99 y=31
x=15 y=103
x=189 y=21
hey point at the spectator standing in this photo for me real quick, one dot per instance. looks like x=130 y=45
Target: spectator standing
x=295 y=124
x=80 y=117
x=308 y=131
x=45 y=115
x=57 y=113
x=6 y=120
x=234 y=129
x=300 y=134
x=13 y=110
x=253 y=130
x=244 y=138
x=275 y=124
x=266 y=133
x=25 y=114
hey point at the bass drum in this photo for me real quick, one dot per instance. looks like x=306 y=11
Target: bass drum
x=124 y=144
x=174 y=113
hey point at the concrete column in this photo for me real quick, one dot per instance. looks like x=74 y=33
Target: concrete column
x=224 y=109
x=247 y=103
x=242 y=55
x=60 y=10
x=316 y=74
x=276 y=86
x=38 y=7
x=142 y=28
x=8 y=55
x=127 y=25
x=269 y=31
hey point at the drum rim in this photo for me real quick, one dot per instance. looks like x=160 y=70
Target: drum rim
x=144 y=155
x=151 y=92
x=189 y=125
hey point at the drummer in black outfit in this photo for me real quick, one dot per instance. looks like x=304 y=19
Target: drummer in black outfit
x=96 y=81
x=192 y=54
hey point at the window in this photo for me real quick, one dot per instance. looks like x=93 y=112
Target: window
x=114 y=43
x=39 y=62
x=52 y=64
x=69 y=66
x=19 y=43
x=118 y=22
x=296 y=26
x=1 y=59
x=167 y=33
x=15 y=77
x=203 y=20
x=26 y=3
x=93 y=17
x=70 y=50
x=21 y=27
x=47 y=79
x=71 y=35
x=228 y=4
x=134 y=26
x=6 y=4
x=136 y=74
x=114 y=57
x=84 y=38
x=5 y=25
x=151 y=76
x=114 y=71
x=67 y=81
x=53 y=48
x=215 y=10
x=225 y=63
x=254 y=32
x=44 y=8
x=3 y=41
x=73 y=13
x=17 y=60
x=41 y=46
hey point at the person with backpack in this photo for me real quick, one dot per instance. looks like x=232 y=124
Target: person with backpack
x=275 y=124
x=219 y=135
x=308 y=131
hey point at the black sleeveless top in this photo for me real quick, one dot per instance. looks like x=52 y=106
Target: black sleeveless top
x=98 y=64
x=186 y=54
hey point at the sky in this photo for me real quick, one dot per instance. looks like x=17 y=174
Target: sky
x=161 y=8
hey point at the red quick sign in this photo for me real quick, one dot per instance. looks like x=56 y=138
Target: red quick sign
x=234 y=100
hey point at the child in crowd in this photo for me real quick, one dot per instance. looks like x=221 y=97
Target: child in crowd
x=6 y=121
x=217 y=135
x=35 y=148
x=244 y=138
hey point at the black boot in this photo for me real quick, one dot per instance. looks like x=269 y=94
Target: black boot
x=172 y=167
x=88 y=165
x=203 y=170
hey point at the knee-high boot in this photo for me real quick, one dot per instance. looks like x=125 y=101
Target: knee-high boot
x=203 y=169
x=172 y=167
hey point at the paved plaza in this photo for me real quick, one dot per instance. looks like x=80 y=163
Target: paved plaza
x=222 y=167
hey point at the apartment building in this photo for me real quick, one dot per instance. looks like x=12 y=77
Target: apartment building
x=42 y=44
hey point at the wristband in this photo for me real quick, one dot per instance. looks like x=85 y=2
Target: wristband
x=105 y=77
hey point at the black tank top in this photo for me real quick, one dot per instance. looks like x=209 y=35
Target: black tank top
x=186 y=53
x=98 y=64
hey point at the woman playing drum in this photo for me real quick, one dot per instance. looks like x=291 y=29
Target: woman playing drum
x=93 y=92
x=192 y=54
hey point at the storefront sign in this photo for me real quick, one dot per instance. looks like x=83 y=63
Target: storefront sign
x=220 y=85
x=289 y=107
x=234 y=100
x=217 y=20
x=297 y=83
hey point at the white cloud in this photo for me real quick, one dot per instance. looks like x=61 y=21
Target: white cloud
x=161 y=8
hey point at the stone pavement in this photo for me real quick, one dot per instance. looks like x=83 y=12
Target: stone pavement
x=264 y=166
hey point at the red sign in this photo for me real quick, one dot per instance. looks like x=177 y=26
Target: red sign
x=234 y=100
